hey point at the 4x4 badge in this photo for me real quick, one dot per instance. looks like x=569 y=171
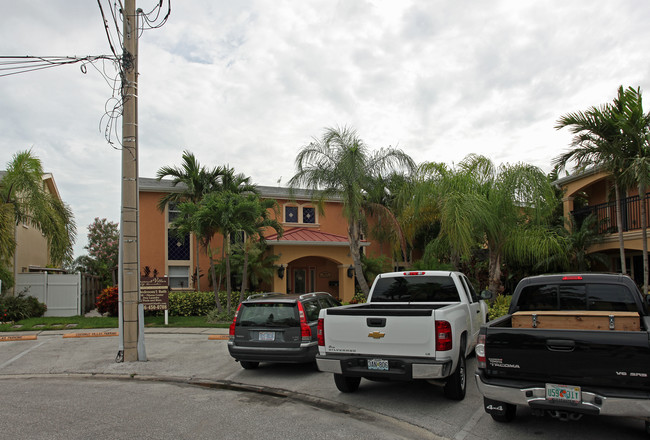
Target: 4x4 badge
x=376 y=335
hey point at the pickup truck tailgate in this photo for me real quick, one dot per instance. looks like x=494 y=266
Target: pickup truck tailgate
x=577 y=357
x=391 y=332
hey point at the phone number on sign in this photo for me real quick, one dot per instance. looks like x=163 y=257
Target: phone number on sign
x=155 y=307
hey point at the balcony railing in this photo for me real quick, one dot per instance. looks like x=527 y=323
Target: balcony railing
x=606 y=215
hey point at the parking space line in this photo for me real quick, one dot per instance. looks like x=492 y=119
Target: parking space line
x=90 y=335
x=21 y=355
x=18 y=338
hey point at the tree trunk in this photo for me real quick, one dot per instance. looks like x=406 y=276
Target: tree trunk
x=214 y=282
x=494 y=269
x=244 y=276
x=228 y=283
x=198 y=278
x=644 y=237
x=619 y=222
x=354 y=236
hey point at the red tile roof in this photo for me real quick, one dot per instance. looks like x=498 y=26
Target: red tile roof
x=307 y=235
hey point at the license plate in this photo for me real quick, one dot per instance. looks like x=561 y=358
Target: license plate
x=563 y=393
x=378 y=364
x=266 y=336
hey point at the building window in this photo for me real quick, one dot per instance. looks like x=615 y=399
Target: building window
x=179 y=277
x=308 y=215
x=291 y=214
x=178 y=248
x=300 y=214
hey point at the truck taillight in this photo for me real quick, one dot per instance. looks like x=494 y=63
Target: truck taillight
x=480 y=351
x=443 y=336
x=305 y=331
x=321 y=332
x=231 y=332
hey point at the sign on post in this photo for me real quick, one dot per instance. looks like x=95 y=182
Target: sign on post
x=154 y=293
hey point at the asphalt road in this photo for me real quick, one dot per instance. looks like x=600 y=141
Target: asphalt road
x=191 y=388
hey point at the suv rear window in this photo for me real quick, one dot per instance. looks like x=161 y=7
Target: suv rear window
x=607 y=297
x=415 y=289
x=268 y=315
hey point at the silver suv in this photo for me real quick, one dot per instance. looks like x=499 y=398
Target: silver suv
x=276 y=327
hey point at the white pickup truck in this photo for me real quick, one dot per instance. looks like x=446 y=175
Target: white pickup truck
x=415 y=325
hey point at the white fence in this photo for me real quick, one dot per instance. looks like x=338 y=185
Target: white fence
x=61 y=293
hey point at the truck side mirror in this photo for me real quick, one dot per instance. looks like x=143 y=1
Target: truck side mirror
x=486 y=294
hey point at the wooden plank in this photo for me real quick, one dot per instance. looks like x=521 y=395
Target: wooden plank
x=577 y=320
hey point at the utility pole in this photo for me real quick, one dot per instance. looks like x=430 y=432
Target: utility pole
x=131 y=314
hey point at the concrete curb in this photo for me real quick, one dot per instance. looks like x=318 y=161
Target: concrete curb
x=378 y=419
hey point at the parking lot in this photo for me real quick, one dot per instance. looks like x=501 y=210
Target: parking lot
x=189 y=357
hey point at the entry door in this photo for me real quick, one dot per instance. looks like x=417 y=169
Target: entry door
x=300 y=280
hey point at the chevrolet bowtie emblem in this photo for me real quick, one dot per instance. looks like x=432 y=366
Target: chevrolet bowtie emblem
x=376 y=335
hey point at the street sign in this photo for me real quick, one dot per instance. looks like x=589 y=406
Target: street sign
x=154 y=293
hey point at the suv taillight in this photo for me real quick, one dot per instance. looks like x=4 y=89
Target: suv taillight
x=321 y=332
x=480 y=351
x=305 y=331
x=231 y=332
x=443 y=336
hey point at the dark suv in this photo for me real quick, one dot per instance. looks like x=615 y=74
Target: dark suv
x=276 y=327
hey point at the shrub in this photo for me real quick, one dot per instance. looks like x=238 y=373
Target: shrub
x=499 y=306
x=214 y=316
x=107 y=301
x=190 y=303
x=15 y=308
x=358 y=297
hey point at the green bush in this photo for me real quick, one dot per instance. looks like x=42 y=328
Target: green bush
x=190 y=303
x=499 y=306
x=7 y=278
x=15 y=308
x=214 y=317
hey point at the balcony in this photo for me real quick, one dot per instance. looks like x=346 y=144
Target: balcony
x=606 y=214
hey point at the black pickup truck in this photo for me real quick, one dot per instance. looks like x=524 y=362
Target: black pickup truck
x=574 y=366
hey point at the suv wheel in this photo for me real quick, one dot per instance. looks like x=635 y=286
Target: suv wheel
x=248 y=365
x=346 y=384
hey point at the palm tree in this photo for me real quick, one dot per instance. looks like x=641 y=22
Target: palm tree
x=599 y=142
x=635 y=126
x=254 y=232
x=23 y=199
x=578 y=239
x=504 y=208
x=340 y=164
x=197 y=180
x=383 y=202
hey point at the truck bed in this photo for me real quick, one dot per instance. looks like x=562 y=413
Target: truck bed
x=577 y=357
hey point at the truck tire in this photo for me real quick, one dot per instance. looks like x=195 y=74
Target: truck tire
x=456 y=385
x=249 y=365
x=346 y=384
x=508 y=415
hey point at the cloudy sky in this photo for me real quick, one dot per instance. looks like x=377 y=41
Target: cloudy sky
x=248 y=83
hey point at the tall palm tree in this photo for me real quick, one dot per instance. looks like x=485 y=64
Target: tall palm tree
x=254 y=228
x=340 y=164
x=504 y=208
x=635 y=126
x=197 y=182
x=599 y=142
x=23 y=199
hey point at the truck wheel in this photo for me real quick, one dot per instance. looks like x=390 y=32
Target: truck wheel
x=346 y=384
x=507 y=416
x=456 y=385
x=647 y=427
x=248 y=365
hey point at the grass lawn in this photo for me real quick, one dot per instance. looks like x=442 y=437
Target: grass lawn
x=81 y=322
